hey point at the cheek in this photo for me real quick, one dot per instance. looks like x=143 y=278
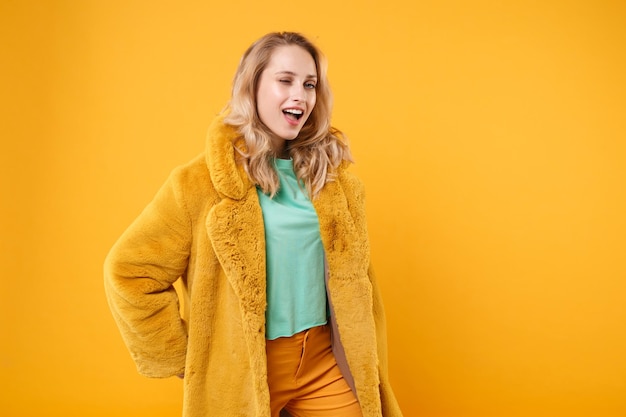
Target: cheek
x=312 y=101
x=270 y=89
x=263 y=101
x=265 y=96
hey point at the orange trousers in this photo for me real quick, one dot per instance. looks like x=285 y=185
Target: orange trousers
x=304 y=378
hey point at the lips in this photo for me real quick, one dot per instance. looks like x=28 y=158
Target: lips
x=293 y=114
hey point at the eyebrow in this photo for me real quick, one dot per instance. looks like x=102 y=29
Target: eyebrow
x=294 y=74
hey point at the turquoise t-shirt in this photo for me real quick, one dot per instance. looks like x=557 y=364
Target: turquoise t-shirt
x=296 y=291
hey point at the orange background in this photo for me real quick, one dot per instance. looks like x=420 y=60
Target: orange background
x=490 y=137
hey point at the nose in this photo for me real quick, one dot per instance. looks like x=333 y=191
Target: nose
x=298 y=93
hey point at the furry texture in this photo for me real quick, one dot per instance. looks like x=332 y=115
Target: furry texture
x=205 y=226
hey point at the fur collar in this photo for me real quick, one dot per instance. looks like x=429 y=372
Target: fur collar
x=229 y=179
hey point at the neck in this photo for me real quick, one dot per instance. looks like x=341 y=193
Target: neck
x=280 y=148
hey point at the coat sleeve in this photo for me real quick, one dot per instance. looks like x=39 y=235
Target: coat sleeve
x=390 y=405
x=139 y=274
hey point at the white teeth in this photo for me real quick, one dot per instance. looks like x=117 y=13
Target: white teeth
x=293 y=111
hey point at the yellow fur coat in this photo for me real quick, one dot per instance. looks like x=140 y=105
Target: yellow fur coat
x=205 y=227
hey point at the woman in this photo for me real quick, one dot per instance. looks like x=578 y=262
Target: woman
x=267 y=232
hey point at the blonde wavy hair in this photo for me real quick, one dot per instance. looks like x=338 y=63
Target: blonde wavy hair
x=319 y=148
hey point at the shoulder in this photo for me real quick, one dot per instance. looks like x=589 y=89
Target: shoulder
x=191 y=183
x=192 y=173
x=350 y=182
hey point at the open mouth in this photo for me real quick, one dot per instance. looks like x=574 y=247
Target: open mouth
x=293 y=114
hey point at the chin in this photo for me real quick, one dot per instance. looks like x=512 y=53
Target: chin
x=290 y=135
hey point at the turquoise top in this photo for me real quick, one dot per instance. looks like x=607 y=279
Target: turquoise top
x=296 y=291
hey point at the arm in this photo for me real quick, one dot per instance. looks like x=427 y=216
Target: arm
x=139 y=273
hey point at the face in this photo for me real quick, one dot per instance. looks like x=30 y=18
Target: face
x=286 y=92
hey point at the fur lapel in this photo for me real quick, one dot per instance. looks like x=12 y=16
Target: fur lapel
x=344 y=236
x=235 y=225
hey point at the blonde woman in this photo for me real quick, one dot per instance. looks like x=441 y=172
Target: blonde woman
x=267 y=233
